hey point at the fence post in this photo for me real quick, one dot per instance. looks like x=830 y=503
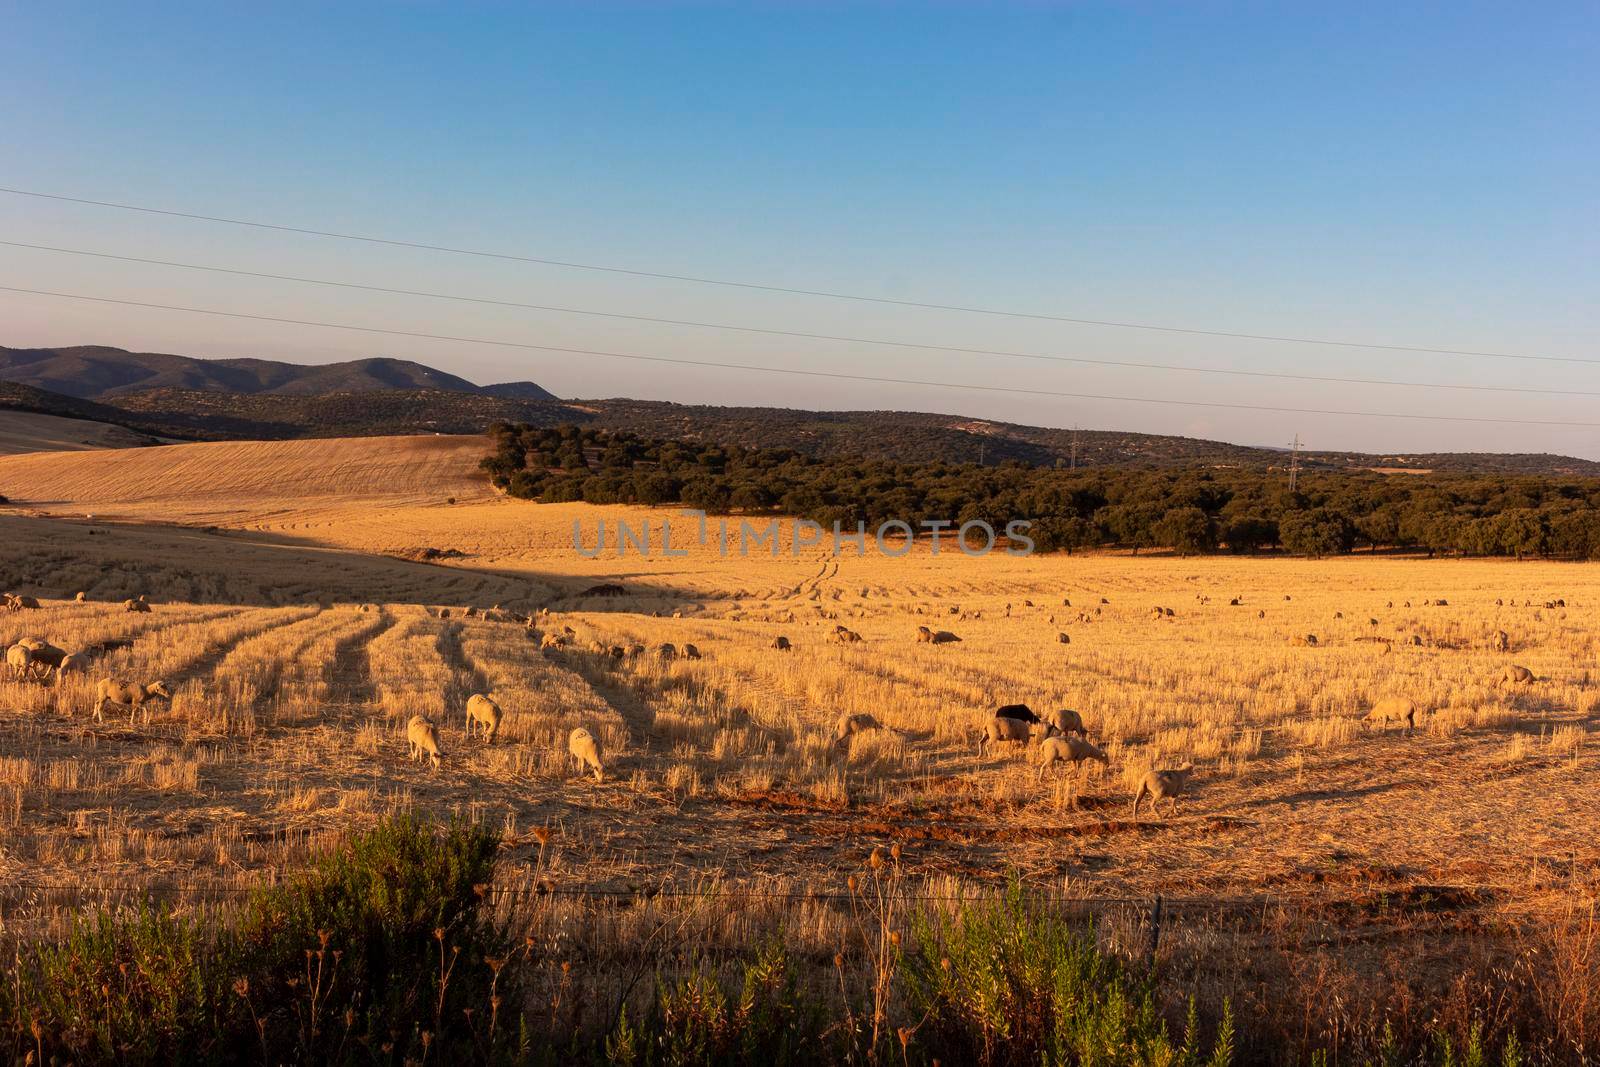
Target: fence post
x=1155 y=931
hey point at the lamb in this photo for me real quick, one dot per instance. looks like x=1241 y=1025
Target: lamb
x=586 y=750
x=1054 y=750
x=422 y=740
x=690 y=652
x=483 y=709
x=781 y=643
x=1066 y=721
x=1515 y=675
x=1393 y=709
x=127 y=695
x=1162 y=785
x=850 y=725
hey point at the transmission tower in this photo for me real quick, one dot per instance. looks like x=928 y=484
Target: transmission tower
x=1294 y=462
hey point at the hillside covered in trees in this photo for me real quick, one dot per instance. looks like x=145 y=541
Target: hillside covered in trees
x=1190 y=511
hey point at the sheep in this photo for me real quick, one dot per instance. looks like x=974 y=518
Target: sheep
x=1515 y=675
x=1001 y=728
x=846 y=637
x=1304 y=641
x=635 y=649
x=81 y=597
x=422 y=740
x=1500 y=642
x=483 y=709
x=1161 y=785
x=50 y=658
x=23 y=603
x=924 y=635
x=1017 y=711
x=690 y=652
x=126 y=695
x=667 y=651
x=586 y=750
x=551 y=641
x=781 y=643
x=1393 y=709
x=1066 y=721
x=944 y=637
x=849 y=725
x=1068 y=750
x=1063 y=639
x=19 y=658
x=136 y=607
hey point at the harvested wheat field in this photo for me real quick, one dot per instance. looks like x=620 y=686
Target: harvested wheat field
x=298 y=645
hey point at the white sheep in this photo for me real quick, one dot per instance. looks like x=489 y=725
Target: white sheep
x=1393 y=709
x=1515 y=675
x=849 y=725
x=422 y=740
x=1068 y=750
x=1163 y=785
x=1001 y=728
x=126 y=695
x=1066 y=721
x=481 y=709
x=586 y=750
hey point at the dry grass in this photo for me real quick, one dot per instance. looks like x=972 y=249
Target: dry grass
x=287 y=727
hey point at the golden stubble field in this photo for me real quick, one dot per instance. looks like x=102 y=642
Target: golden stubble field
x=299 y=633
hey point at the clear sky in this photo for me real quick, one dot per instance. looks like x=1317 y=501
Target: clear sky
x=1419 y=174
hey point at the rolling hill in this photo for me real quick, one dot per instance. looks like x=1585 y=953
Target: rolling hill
x=92 y=372
x=247 y=399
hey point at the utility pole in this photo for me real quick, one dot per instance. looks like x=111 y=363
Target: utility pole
x=1294 y=463
x=1074 y=448
x=981 y=448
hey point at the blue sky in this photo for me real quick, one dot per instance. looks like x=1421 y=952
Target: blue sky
x=1427 y=176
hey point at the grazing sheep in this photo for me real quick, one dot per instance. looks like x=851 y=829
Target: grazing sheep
x=586 y=750
x=471 y=613
x=1414 y=640
x=1162 y=785
x=126 y=695
x=1515 y=675
x=616 y=652
x=136 y=606
x=551 y=641
x=924 y=635
x=690 y=652
x=667 y=651
x=444 y=613
x=1501 y=641
x=849 y=725
x=944 y=637
x=23 y=603
x=49 y=658
x=1063 y=639
x=846 y=637
x=81 y=597
x=1017 y=711
x=1066 y=721
x=482 y=709
x=1001 y=728
x=1338 y=614
x=635 y=649
x=1068 y=750
x=1304 y=641
x=1393 y=709
x=19 y=658
x=781 y=643
x=422 y=740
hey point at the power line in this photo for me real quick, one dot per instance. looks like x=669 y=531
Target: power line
x=883 y=342
x=788 y=290
x=528 y=346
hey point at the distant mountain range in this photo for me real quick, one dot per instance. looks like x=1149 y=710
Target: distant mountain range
x=92 y=372
x=201 y=399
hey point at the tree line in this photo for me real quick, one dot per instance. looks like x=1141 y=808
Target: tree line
x=1190 y=511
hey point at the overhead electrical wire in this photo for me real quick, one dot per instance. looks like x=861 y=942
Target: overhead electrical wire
x=838 y=375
